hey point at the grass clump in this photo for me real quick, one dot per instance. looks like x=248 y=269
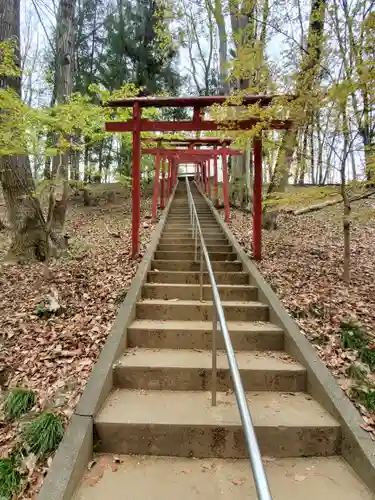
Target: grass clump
x=19 y=402
x=10 y=479
x=366 y=395
x=43 y=435
x=368 y=357
x=352 y=337
x=357 y=371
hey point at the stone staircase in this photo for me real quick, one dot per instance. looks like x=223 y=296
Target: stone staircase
x=160 y=406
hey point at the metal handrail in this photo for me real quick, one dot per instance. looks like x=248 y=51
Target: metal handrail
x=259 y=474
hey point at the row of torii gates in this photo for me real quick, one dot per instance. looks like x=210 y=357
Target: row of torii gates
x=189 y=151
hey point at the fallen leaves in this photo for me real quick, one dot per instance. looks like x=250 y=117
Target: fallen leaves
x=303 y=263
x=238 y=482
x=54 y=355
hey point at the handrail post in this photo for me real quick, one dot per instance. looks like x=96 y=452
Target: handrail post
x=196 y=245
x=214 y=359
x=201 y=274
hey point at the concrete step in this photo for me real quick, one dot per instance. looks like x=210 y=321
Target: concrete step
x=183 y=423
x=212 y=479
x=201 y=311
x=190 y=247
x=179 y=235
x=186 y=233
x=170 y=239
x=214 y=256
x=190 y=370
x=185 y=220
x=186 y=211
x=187 y=226
x=185 y=265
x=178 y=334
x=187 y=223
x=183 y=291
x=192 y=278
x=186 y=217
x=185 y=208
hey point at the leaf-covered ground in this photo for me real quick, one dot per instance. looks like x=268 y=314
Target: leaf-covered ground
x=302 y=260
x=54 y=356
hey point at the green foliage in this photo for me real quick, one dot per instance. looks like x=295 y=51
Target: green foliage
x=366 y=395
x=24 y=130
x=19 y=402
x=10 y=479
x=368 y=357
x=43 y=435
x=357 y=371
x=352 y=337
x=139 y=47
x=42 y=311
x=8 y=68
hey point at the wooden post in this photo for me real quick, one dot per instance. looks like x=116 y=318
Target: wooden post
x=225 y=187
x=216 y=183
x=169 y=178
x=162 y=187
x=174 y=173
x=156 y=189
x=136 y=179
x=209 y=178
x=257 y=199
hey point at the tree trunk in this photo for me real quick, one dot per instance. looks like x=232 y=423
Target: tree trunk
x=346 y=228
x=25 y=216
x=87 y=173
x=64 y=87
x=302 y=167
x=344 y=194
x=75 y=157
x=217 y=10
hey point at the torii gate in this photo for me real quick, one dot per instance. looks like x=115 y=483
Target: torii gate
x=201 y=157
x=137 y=125
x=190 y=143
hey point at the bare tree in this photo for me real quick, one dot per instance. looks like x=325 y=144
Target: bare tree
x=308 y=75
x=200 y=31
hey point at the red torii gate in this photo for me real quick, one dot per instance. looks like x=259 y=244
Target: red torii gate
x=201 y=157
x=190 y=143
x=137 y=125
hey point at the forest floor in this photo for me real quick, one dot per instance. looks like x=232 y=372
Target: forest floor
x=54 y=357
x=303 y=262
